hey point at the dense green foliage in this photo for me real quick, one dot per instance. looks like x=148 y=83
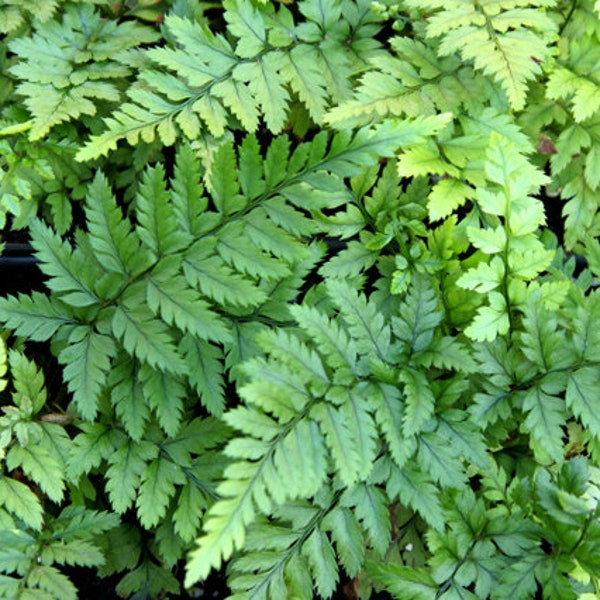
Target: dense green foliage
x=304 y=317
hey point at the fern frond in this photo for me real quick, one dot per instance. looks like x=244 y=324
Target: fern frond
x=164 y=394
x=19 y=500
x=205 y=367
x=506 y=43
x=365 y=322
x=332 y=339
x=147 y=338
x=418 y=316
x=545 y=420
x=418 y=83
x=250 y=77
x=127 y=397
x=370 y=505
x=55 y=76
x=577 y=81
x=87 y=361
x=36 y=316
x=15 y=12
x=40 y=466
x=69 y=273
x=127 y=465
x=167 y=293
x=157 y=486
x=111 y=237
x=252 y=487
x=157 y=220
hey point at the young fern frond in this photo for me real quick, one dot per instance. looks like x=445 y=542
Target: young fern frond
x=507 y=41
x=508 y=234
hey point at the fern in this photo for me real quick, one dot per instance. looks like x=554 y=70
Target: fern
x=411 y=80
x=36 y=541
x=500 y=41
x=55 y=80
x=292 y=405
x=520 y=256
x=217 y=81
x=307 y=320
x=14 y=12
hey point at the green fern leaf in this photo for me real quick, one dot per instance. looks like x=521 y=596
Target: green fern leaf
x=267 y=86
x=14 y=13
x=501 y=43
x=28 y=383
x=226 y=521
x=342 y=525
x=464 y=436
x=247 y=24
x=70 y=275
x=205 y=368
x=19 y=500
x=51 y=583
x=320 y=555
x=178 y=304
x=576 y=81
x=222 y=183
x=87 y=362
x=127 y=396
x=440 y=461
x=187 y=195
x=579 y=397
x=388 y=411
x=415 y=489
x=349 y=465
x=77 y=552
x=412 y=81
x=56 y=79
x=365 y=322
x=95 y=442
x=157 y=486
x=114 y=243
x=370 y=506
x=419 y=401
x=302 y=69
x=191 y=504
x=217 y=281
x=77 y=522
x=37 y=316
x=419 y=315
x=405 y=582
x=292 y=352
x=147 y=338
x=164 y=394
x=156 y=217
x=235 y=250
x=127 y=465
x=545 y=420
x=38 y=464
x=541 y=342
x=280 y=470
x=332 y=340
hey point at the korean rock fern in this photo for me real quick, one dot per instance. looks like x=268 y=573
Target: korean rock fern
x=320 y=298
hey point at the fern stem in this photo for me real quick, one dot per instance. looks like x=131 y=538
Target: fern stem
x=572 y=10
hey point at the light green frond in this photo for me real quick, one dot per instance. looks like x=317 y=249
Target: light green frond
x=507 y=43
x=56 y=79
